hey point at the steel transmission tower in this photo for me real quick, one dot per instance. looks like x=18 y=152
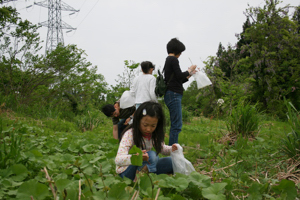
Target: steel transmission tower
x=55 y=23
x=6 y=1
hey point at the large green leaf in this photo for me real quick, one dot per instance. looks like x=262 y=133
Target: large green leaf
x=32 y=188
x=286 y=189
x=255 y=191
x=215 y=191
x=199 y=179
x=117 y=192
x=20 y=171
x=62 y=184
x=145 y=183
x=137 y=156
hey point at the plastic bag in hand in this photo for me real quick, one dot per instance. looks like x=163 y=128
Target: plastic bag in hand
x=201 y=79
x=180 y=164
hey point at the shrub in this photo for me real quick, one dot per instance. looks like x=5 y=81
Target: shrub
x=243 y=120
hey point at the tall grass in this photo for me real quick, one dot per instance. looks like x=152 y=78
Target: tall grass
x=244 y=120
x=88 y=121
x=10 y=145
x=291 y=143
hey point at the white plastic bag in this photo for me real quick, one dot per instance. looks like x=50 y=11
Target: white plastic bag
x=201 y=79
x=180 y=164
x=127 y=100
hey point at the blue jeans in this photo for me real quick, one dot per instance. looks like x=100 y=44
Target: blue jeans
x=151 y=163
x=121 y=127
x=173 y=102
x=163 y=166
x=137 y=105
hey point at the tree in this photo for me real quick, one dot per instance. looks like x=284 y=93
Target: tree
x=64 y=76
x=125 y=80
x=18 y=45
x=274 y=55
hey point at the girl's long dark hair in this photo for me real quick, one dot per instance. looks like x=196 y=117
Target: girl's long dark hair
x=151 y=109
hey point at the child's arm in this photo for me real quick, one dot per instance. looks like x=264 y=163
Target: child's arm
x=166 y=150
x=123 y=158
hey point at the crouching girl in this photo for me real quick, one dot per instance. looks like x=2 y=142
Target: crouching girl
x=147 y=131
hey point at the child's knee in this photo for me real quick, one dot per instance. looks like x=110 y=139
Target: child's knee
x=153 y=157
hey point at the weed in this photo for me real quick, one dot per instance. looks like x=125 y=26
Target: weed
x=291 y=143
x=243 y=120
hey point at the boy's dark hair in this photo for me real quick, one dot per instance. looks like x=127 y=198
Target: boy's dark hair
x=175 y=46
x=108 y=110
x=151 y=109
x=146 y=66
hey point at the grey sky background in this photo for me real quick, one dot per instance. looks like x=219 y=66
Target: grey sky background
x=111 y=31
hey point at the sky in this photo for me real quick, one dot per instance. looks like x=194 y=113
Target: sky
x=112 y=31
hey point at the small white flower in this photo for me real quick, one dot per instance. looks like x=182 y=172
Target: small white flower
x=220 y=102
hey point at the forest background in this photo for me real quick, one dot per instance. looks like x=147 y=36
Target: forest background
x=262 y=70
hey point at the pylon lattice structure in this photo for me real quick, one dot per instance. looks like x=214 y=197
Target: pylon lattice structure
x=6 y=1
x=55 y=23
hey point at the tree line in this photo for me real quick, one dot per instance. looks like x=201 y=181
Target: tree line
x=262 y=68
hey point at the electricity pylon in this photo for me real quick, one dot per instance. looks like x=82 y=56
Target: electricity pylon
x=6 y=1
x=55 y=23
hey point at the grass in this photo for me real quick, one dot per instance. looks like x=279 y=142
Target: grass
x=241 y=163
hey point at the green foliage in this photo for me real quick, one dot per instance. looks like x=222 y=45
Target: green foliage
x=291 y=143
x=89 y=121
x=11 y=145
x=137 y=156
x=274 y=55
x=244 y=120
x=130 y=72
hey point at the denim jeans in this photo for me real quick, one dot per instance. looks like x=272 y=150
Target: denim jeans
x=137 y=105
x=121 y=127
x=151 y=163
x=163 y=166
x=173 y=102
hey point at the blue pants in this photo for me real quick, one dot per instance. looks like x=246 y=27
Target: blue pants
x=157 y=165
x=173 y=102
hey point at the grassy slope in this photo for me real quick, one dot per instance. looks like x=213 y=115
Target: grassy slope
x=257 y=160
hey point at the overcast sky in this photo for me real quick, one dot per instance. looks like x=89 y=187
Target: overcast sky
x=111 y=31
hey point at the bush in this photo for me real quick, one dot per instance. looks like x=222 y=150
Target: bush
x=243 y=120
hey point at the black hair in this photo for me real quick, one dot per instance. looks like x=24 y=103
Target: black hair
x=146 y=65
x=108 y=110
x=151 y=109
x=175 y=46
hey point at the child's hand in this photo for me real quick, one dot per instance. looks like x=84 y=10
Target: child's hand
x=192 y=68
x=174 y=147
x=145 y=155
x=127 y=121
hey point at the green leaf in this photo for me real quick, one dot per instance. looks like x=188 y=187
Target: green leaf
x=32 y=188
x=182 y=184
x=106 y=166
x=137 y=156
x=215 y=191
x=199 y=179
x=117 y=192
x=20 y=171
x=88 y=148
x=254 y=191
x=286 y=188
x=145 y=183
x=100 y=195
x=62 y=184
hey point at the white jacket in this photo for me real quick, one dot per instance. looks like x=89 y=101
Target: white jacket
x=143 y=88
